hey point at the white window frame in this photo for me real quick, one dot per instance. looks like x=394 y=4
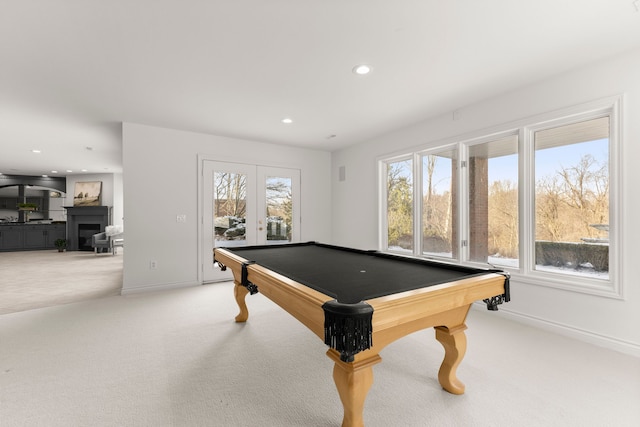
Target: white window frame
x=464 y=193
x=418 y=224
x=383 y=237
x=611 y=287
x=525 y=129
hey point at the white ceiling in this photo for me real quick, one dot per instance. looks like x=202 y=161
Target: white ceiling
x=72 y=70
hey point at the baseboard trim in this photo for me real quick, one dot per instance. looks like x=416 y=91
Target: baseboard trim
x=157 y=287
x=621 y=346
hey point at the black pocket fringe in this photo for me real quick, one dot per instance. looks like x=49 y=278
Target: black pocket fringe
x=348 y=328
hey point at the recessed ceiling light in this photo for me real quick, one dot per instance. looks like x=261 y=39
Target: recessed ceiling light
x=45 y=176
x=54 y=171
x=287 y=120
x=36 y=151
x=69 y=170
x=361 y=69
x=84 y=170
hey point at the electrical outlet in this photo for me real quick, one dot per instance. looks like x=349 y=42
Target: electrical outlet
x=181 y=218
x=153 y=264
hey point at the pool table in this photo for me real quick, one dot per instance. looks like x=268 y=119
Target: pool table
x=359 y=301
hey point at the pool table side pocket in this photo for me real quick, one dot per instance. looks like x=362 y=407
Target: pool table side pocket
x=302 y=302
x=406 y=306
x=446 y=305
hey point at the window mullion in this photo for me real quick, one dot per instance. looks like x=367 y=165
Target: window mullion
x=417 y=205
x=527 y=202
x=463 y=203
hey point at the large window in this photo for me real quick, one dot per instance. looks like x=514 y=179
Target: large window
x=538 y=199
x=493 y=201
x=572 y=198
x=399 y=205
x=439 y=170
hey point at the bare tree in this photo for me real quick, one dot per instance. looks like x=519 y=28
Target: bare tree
x=399 y=204
x=430 y=167
x=550 y=224
x=230 y=193
x=503 y=219
x=586 y=191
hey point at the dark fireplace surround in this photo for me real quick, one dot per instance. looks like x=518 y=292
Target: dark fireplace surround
x=82 y=223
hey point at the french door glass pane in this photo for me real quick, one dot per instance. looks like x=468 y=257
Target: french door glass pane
x=572 y=199
x=438 y=203
x=279 y=209
x=229 y=208
x=400 y=206
x=493 y=202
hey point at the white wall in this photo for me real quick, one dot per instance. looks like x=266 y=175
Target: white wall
x=117 y=210
x=605 y=321
x=161 y=181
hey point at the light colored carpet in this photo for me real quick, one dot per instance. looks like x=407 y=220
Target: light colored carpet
x=34 y=279
x=177 y=358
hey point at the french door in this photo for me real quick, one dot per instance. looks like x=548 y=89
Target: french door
x=246 y=204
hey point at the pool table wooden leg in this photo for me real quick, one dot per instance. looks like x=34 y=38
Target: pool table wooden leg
x=353 y=381
x=454 y=342
x=240 y=292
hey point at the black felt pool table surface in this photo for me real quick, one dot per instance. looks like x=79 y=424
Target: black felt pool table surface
x=351 y=275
